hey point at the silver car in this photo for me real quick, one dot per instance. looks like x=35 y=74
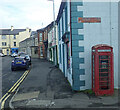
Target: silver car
x=2 y=55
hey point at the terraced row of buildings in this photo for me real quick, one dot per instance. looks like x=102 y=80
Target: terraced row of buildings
x=78 y=27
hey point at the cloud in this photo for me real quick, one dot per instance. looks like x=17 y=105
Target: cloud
x=27 y=13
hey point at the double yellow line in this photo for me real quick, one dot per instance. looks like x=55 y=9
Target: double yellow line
x=12 y=89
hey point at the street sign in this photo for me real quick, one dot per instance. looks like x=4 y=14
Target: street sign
x=89 y=20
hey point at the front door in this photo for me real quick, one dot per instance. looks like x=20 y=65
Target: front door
x=63 y=59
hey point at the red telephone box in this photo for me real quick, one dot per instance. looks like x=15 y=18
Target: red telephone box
x=102 y=69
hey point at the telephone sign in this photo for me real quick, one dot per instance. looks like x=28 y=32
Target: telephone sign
x=89 y=20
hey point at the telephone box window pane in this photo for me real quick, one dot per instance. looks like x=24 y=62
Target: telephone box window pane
x=103 y=61
x=104 y=57
x=104 y=65
x=104 y=72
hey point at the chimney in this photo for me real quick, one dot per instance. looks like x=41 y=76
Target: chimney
x=11 y=28
x=27 y=29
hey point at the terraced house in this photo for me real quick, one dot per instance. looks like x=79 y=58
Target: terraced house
x=43 y=41
x=10 y=38
x=81 y=25
x=53 y=44
x=30 y=45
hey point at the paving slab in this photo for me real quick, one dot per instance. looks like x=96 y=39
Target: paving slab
x=25 y=96
x=55 y=91
x=39 y=103
x=109 y=100
x=80 y=96
x=70 y=103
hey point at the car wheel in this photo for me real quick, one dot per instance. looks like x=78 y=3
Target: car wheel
x=27 y=67
x=12 y=69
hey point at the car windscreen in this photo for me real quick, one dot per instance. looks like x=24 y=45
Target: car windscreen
x=18 y=59
x=27 y=57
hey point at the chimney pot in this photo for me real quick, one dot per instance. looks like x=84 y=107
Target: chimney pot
x=11 y=28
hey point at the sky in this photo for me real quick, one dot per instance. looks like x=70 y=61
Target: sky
x=20 y=14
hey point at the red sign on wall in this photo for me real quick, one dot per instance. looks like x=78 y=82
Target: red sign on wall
x=89 y=20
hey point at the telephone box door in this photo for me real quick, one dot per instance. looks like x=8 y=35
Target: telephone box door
x=102 y=70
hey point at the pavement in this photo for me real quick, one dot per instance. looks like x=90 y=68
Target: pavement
x=46 y=87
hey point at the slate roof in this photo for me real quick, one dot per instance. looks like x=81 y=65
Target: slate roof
x=33 y=33
x=9 y=32
x=43 y=29
x=30 y=38
x=62 y=5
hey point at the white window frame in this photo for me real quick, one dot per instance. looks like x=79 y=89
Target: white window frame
x=14 y=37
x=4 y=43
x=14 y=44
x=40 y=36
x=3 y=37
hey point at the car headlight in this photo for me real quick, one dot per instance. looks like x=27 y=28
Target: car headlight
x=13 y=61
x=24 y=61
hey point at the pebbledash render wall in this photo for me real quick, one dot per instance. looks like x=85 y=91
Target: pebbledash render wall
x=86 y=35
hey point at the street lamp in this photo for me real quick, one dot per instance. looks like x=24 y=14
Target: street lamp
x=53 y=10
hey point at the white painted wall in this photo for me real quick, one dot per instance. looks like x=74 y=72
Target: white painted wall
x=69 y=71
x=105 y=32
x=50 y=35
x=119 y=44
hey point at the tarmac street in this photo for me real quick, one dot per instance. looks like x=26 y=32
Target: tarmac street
x=9 y=80
x=46 y=87
x=9 y=77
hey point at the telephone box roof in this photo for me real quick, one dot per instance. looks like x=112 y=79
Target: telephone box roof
x=101 y=46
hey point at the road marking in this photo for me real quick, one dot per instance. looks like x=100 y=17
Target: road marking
x=3 y=102
x=19 y=80
x=13 y=88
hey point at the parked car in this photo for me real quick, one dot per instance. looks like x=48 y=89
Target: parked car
x=28 y=58
x=22 y=54
x=2 y=55
x=14 y=55
x=19 y=62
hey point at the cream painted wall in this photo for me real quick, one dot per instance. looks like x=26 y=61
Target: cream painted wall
x=10 y=40
x=23 y=35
